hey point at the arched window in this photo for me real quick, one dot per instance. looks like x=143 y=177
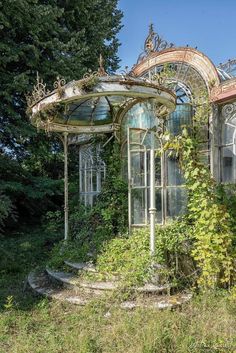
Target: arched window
x=228 y=144
x=92 y=173
x=171 y=196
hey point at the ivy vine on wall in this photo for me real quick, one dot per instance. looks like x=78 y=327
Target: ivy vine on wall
x=210 y=219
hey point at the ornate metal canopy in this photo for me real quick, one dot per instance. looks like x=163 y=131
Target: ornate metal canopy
x=94 y=103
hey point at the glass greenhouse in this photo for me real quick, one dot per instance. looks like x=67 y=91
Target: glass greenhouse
x=136 y=108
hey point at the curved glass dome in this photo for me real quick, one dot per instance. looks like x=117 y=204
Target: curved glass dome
x=94 y=104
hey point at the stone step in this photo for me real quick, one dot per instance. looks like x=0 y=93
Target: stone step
x=72 y=280
x=81 y=266
x=41 y=284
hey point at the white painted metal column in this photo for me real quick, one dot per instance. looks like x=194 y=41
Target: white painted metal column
x=66 y=225
x=152 y=209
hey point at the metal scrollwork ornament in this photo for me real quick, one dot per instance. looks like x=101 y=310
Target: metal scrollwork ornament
x=38 y=93
x=228 y=110
x=153 y=43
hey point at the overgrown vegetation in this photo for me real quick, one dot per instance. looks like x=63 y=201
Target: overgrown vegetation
x=199 y=248
x=212 y=233
x=90 y=228
x=33 y=324
x=55 y=39
x=129 y=257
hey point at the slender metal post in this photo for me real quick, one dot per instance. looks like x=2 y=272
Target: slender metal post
x=129 y=179
x=66 y=225
x=152 y=209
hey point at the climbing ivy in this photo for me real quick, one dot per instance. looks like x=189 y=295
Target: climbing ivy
x=198 y=247
x=211 y=222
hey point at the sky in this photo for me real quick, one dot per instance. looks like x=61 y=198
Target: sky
x=208 y=25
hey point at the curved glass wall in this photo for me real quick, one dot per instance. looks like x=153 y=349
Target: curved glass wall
x=136 y=137
x=170 y=192
x=171 y=195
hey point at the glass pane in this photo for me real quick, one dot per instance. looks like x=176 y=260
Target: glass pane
x=138 y=206
x=204 y=146
x=228 y=134
x=135 y=137
x=180 y=117
x=137 y=168
x=158 y=205
x=174 y=174
x=176 y=202
x=95 y=180
x=205 y=158
x=228 y=164
x=89 y=181
x=203 y=135
x=139 y=116
x=102 y=175
x=82 y=182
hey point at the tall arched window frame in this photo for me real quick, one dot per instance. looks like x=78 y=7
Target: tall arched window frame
x=170 y=189
x=171 y=196
x=92 y=173
x=228 y=144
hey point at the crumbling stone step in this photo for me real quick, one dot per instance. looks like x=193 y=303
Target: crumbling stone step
x=41 y=284
x=73 y=280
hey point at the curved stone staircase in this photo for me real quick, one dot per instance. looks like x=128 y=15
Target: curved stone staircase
x=70 y=286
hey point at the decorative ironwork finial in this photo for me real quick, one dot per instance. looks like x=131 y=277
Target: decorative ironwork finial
x=59 y=86
x=39 y=92
x=153 y=43
x=149 y=42
x=59 y=83
x=92 y=76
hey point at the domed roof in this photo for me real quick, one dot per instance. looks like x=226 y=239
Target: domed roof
x=93 y=103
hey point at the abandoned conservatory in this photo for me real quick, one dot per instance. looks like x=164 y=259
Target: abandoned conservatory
x=132 y=107
x=139 y=109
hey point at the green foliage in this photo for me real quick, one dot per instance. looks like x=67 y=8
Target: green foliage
x=70 y=250
x=108 y=217
x=29 y=323
x=52 y=222
x=89 y=82
x=6 y=210
x=129 y=257
x=210 y=219
x=165 y=76
x=55 y=38
x=91 y=227
x=9 y=303
x=24 y=250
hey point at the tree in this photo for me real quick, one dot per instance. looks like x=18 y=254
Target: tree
x=55 y=38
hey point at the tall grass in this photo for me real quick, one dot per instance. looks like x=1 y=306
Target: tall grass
x=30 y=324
